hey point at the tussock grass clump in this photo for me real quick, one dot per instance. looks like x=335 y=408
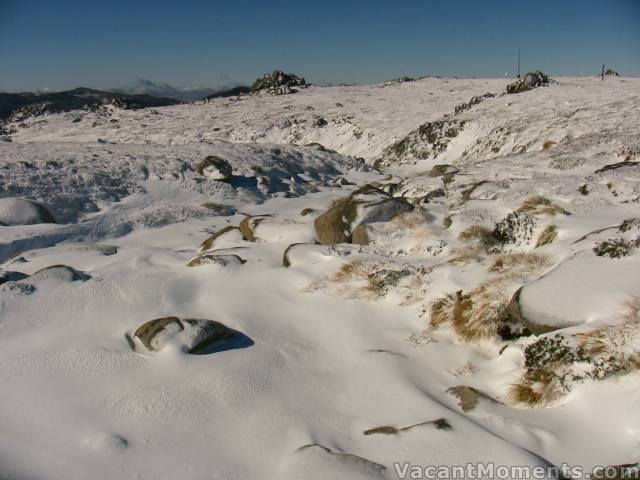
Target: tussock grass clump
x=524 y=262
x=477 y=233
x=616 y=247
x=547 y=236
x=481 y=314
x=372 y=280
x=548 y=144
x=615 y=348
x=553 y=364
x=549 y=372
x=467 y=254
x=539 y=205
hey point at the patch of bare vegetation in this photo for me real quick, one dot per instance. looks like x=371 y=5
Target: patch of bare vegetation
x=554 y=364
x=525 y=262
x=480 y=314
x=547 y=236
x=373 y=280
x=539 y=205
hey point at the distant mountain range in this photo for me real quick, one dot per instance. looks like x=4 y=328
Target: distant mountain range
x=76 y=99
x=144 y=86
x=143 y=94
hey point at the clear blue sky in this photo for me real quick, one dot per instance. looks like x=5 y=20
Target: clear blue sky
x=58 y=44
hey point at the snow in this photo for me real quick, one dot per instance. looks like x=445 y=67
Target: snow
x=340 y=341
x=22 y=211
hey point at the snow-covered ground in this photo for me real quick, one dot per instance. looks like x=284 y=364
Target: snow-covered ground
x=511 y=289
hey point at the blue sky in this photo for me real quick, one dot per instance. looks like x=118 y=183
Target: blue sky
x=58 y=44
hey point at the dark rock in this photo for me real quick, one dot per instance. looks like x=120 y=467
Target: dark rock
x=530 y=81
x=215 y=168
x=278 y=82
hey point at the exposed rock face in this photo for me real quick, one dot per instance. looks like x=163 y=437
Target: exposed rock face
x=192 y=334
x=215 y=168
x=278 y=82
x=530 y=81
x=366 y=205
x=23 y=211
x=515 y=229
x=474 y=101
x=429 y=140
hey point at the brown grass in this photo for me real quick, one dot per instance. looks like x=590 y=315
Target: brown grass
x=617 y=345
x=547 y=236
x=537 y=389
x=477 y=315
x=525 y=262
x=539 y=205
x=548 y=144
x=467 y=254
x=478 y=233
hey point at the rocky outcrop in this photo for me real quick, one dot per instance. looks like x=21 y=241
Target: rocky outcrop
x=530 y=81
x=278 y=82
x=474 y=101
x=429 y=140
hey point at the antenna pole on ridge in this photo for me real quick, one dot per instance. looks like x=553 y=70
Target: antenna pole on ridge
x=518 y=62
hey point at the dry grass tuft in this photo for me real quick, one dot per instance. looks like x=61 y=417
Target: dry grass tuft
x=478 y=233
x=615 y=347
x=358 y=271
x=372 y=280
x=539 y=205
x=548 y=144
x=467 y=254
x=524 y=262
x=631 y=312
x=480 y=314
x=548 y=235
x=538 y=388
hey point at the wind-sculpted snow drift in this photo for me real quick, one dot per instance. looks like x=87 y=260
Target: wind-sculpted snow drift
x=232 y=290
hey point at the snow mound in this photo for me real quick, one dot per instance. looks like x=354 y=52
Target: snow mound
x=22 y=211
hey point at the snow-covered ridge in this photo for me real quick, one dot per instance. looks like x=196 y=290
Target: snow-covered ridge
x=482 y=306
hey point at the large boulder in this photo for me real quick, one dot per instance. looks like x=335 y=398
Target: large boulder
x=215 y=168
x=22 y=211
x=192 y=335
x=366 y=205
x=530 y=81
x=278 y=82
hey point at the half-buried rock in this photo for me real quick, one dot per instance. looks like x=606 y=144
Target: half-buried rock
x=223 y=260
x=215 y=168
x=61 y=273
x=366 y=205
x=22 y=211
x=190 y=334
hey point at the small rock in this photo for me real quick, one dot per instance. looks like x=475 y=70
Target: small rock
x=215 y=168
